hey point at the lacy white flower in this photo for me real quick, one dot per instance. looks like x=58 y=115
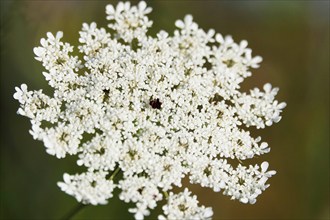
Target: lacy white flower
x=184 y=206
x=155 y=109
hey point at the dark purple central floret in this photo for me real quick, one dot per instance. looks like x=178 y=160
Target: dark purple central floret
x=155 y=103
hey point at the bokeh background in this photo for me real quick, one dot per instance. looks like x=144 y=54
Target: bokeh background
x=291 y=36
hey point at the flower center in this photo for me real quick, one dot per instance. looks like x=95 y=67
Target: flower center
x=155 y=103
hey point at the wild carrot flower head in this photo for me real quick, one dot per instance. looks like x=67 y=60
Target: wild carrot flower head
x=156 y=109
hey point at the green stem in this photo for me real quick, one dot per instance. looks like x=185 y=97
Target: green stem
x=165 y=194
x=73 y=211
x=114 y=173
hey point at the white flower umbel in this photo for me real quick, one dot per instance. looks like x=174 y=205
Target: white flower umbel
x=88 y=188
x=184 y=206
x=155 y=109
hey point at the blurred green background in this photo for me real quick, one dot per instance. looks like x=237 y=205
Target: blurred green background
x=291 y=36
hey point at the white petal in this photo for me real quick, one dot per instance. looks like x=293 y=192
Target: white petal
x=50 y=36
x=110 y=9
x=43 y=42
x=142 y=5
x=66 y=178
x=264 y=166
x=188 y=19
x=282 y=105
x=244 y=200
x=208 y=212
x=24 y=87
x=179 y=23
x=243 y=44
x=39 y=51
x=267 y=87
x=219 y=38
x=120 y=7
x=257 y=59
x=59 y=35
x=62 y=185
x=21 y=112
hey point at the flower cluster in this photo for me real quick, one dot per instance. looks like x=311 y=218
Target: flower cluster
x=143 y=112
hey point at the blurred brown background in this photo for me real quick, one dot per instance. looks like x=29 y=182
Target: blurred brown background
x=291 y=36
